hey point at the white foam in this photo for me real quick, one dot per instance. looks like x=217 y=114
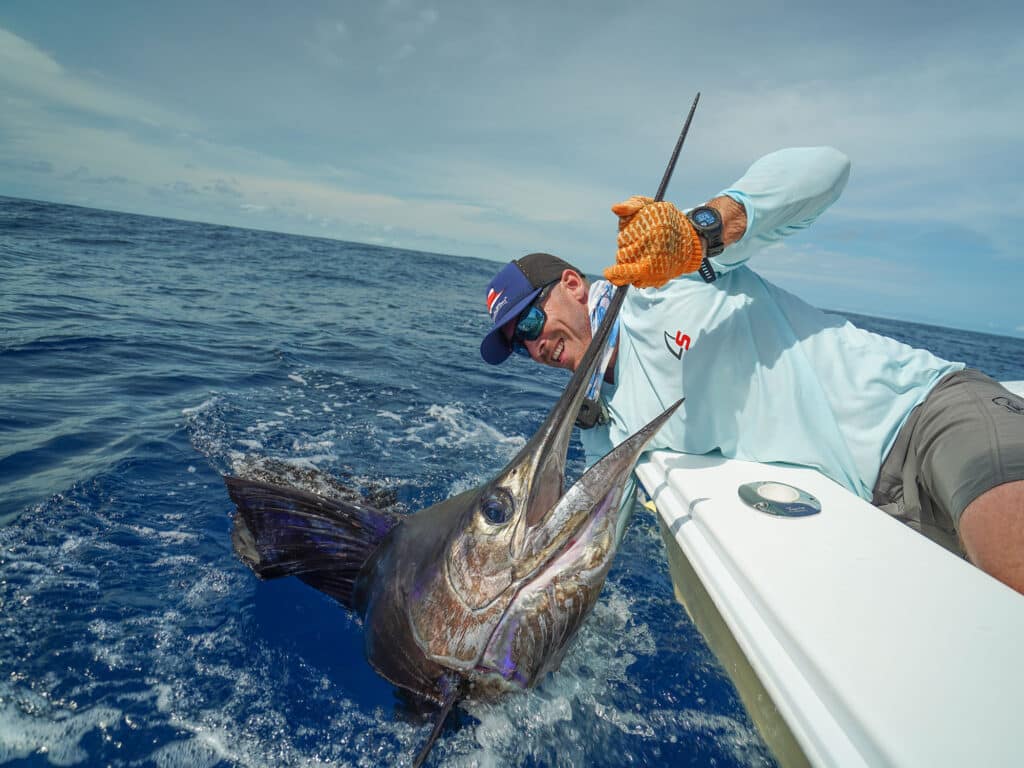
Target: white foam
x=196 y=670
x=448 y=425
x=309 y=462
x=311 y=445
x=176 y=560
x=198 y=751
x=171 y=537
x=197 y=409
x=31 y=724
x=207 y=685
x=263 y=426
x=71 y=543
x=212 y=586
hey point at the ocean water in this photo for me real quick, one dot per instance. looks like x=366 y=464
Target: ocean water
x=141 y=359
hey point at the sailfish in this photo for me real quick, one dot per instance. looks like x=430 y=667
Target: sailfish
x=482 y=593
x=472 y=597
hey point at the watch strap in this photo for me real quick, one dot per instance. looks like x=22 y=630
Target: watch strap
x=706 y=271
x=711 y=239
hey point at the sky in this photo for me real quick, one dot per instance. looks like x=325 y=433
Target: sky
x=494 y=129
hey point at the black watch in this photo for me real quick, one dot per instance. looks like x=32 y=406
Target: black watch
x=708 y=224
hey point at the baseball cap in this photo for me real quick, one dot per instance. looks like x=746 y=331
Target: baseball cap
x=511 y=291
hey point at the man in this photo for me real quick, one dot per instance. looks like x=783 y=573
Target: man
x=766 y=376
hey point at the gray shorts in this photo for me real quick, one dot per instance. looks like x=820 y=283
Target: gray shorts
x=964 y=439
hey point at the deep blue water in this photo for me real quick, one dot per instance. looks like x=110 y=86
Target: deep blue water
x=142 y=358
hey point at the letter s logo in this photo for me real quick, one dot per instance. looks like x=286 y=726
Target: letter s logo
x=677 y=344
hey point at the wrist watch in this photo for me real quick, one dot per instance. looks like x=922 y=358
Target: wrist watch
x=708 y=224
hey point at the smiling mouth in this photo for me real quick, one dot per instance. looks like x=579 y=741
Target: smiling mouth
x=556 y=356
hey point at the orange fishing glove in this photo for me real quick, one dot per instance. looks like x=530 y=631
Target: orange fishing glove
x=656 y=243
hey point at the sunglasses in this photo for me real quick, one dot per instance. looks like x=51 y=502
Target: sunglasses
x=531 y=321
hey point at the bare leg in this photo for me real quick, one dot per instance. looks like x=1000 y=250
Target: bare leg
x=992 y=530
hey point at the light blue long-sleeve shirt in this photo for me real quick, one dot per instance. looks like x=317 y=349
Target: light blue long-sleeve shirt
x=766 y=376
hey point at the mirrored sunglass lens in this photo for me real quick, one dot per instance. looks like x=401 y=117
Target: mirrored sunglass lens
x=530 y=324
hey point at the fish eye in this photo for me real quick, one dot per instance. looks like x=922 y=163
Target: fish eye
x=496 y=507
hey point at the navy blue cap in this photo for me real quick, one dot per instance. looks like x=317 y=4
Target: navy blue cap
x=517 y=284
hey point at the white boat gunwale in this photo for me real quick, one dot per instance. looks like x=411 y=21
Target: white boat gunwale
x=876 y=646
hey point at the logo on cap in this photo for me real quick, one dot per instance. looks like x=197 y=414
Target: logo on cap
x=493 y=305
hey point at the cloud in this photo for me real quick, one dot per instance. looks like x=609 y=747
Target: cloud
x=482 y=133
x=895 y=120
x=30 y=166
x=182 y=188
x=254 y=183
x=39 y=77
x=223 y=187
x=329 y=39
x=847 y=273
x=83 y=175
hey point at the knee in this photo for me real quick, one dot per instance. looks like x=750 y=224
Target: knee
x=992 y=532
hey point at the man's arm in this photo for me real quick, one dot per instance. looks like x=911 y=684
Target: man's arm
x=781 y=193
x=734 y=218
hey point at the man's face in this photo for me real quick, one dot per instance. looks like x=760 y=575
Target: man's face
x=566 y=334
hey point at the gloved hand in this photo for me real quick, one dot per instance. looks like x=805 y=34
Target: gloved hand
x=656 y=243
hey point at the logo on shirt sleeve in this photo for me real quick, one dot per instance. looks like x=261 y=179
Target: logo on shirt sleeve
x=677 y=344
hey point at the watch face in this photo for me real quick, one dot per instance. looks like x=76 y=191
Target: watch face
x=705 y=217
